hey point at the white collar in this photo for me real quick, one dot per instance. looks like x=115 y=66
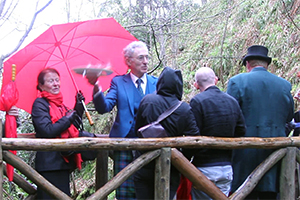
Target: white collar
x=134 y=78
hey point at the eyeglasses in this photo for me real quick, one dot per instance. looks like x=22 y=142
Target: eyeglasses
x=142 y=57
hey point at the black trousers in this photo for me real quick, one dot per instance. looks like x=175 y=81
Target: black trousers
x=60 y=179
x=144 y=183
x=261 y=195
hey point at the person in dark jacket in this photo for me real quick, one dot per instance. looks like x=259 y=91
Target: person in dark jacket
x=217 y=114
x=52 y=119
x=267 y=105
x=180 y=122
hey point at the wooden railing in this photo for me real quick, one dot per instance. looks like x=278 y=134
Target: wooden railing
x=163 y=150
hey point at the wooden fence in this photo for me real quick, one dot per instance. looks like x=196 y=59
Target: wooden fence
x=163 y=150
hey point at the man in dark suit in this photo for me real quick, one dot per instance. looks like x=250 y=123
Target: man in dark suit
x=125 y=92
x=267 y=105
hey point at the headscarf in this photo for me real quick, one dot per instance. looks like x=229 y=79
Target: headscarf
x=57 y=111
x=170 y=83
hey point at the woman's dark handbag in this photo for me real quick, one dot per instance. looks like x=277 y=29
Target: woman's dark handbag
x=155 y=129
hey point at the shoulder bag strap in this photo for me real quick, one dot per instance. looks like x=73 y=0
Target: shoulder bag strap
x=168 y=112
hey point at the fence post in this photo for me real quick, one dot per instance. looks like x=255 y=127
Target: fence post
x=101 y=169
x=287 y=176
x=162 y=174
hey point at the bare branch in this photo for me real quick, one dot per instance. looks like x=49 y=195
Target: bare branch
x=2 y=4
x=222 y=42
x=27 y=31
x=156 y=51
x=289 y=15
x=10 y=9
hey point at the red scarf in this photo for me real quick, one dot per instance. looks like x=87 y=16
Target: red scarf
x=184 y=189
x=57 y=111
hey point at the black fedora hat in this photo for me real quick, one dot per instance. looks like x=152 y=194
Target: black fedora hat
x=257 y=52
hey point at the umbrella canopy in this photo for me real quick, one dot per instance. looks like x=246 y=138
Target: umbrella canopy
x=65 y=47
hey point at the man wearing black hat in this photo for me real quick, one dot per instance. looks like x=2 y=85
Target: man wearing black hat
x=267 y=105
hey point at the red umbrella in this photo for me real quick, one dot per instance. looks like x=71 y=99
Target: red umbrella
x=67 y=46
x=9 y=97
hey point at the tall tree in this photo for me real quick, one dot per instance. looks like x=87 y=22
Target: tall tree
x=6 y=11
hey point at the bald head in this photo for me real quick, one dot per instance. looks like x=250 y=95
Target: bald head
x=205 y=77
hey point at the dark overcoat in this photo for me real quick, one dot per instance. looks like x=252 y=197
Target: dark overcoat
x=45 y=128
x=267 y=104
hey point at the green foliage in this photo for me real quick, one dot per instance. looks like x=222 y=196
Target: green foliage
x=25 y=122
x=10 y=189
x=185 y=35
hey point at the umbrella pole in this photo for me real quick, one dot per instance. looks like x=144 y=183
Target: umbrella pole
x=84 y=106
x=87 y=114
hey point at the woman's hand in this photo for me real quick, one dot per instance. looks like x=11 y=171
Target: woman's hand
x=14 y=111
x=75 y=119
x=79 y=100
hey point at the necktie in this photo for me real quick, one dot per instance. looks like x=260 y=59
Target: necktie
x=139 y=87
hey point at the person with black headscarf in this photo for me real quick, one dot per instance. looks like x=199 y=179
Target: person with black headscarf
x=180 y=122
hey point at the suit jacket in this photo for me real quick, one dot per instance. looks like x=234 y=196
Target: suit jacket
x=217 y=114
x=267 y=105
x=121 y=94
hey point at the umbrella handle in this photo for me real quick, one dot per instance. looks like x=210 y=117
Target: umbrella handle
x=13 y=72
x=87 y=114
